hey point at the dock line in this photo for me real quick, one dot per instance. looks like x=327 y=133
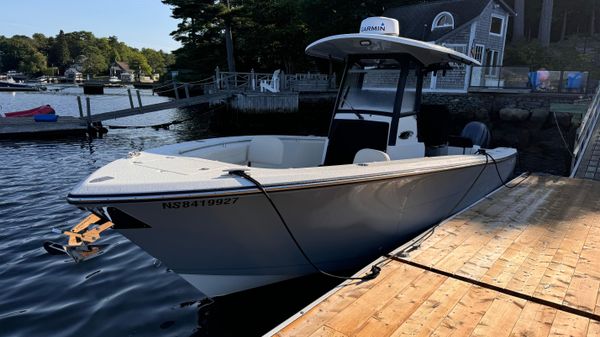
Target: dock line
x=375 y=270
x=509 y=292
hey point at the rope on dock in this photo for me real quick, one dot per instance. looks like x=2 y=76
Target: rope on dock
x=492 y=287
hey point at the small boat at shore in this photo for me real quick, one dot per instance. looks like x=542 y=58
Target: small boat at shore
x=234 y=213
x=41 y=110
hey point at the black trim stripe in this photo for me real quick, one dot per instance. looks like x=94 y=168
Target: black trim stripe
x=505 y=291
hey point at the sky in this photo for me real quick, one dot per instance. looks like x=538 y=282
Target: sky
x=138 y=23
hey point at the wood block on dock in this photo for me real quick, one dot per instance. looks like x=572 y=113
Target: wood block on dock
x=522 y=262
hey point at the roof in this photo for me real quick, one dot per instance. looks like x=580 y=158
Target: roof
x=123 y=65
x=337 y=47
x=416 y=19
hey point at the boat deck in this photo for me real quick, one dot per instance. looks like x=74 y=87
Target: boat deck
x=522 y=262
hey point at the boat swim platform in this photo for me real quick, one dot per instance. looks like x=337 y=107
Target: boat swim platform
x=27 y=127
x=521 y=262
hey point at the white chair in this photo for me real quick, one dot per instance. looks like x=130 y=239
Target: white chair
x=265 y=151
x=273 y=84
x=369 y=156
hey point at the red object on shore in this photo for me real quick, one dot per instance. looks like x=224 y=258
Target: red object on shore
x=41 y=110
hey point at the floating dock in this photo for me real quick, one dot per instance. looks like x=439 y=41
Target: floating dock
x=27 y=127
x=523 y=261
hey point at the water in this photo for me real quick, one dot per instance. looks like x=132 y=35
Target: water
x=124 y=292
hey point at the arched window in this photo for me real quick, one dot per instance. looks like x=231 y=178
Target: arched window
x=443 y=20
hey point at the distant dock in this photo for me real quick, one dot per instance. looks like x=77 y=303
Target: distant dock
x=522 y=262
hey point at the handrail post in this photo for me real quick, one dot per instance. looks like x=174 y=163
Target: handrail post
x=139 y=97
x=80 y=107
x=560 y=82
x=176 y=90
x=186 y=86
x=131 y=98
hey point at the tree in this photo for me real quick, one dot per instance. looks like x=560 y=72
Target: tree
x=519 y=20
x=545 y=27
x=59 y=54
x=93 y=61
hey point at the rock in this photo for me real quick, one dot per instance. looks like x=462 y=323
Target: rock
x=513 y=114
x=539 y=115
x=564 y=119
x=482 y=115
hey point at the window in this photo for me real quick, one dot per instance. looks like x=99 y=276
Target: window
x=497 y=25
x=477 y=52
x=492 y=60
x=443 y=20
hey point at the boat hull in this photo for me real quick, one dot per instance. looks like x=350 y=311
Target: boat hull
x=233 y=242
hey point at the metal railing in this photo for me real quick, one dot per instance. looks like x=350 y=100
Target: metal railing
x=585 y=132
x=501 y=77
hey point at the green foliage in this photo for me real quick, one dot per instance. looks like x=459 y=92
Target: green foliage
x=53 y=55
x=576 y=53
x=268 y=34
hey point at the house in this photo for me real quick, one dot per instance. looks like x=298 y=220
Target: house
x=122 y=71
x=73 y=73
x=474 y=27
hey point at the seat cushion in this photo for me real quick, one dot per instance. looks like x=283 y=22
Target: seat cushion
x=265 y=151
x=370 y=155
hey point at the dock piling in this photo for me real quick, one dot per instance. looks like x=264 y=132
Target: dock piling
x=139 y=97
x=88 y=109
x=80 y=107
x=131 y=98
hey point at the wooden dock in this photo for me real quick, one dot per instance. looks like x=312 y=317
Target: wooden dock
x=27 y=127
x=522 y=262
x=178 y=103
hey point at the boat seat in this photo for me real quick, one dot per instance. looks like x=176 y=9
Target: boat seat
x=265 y=151
x=369 y=156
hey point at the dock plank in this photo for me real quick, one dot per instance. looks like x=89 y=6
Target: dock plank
x=566 y=324
x=523 y=262
x=500 y=317
x=433 y=310
x=356 y=315
x=535 y=321
x=402 y=306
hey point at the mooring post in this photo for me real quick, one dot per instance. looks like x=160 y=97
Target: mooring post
x=131 y=98
x=80 y=107
x=139 y=97
x=186 y=86
x=88 y=110
x=176 y=90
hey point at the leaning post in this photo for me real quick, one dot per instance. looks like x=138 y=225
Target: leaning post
x=80 y=107
x=131 y=98
x=139 y=97
x=88 y=110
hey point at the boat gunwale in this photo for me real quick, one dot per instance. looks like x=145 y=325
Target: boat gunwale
x=249 y=190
